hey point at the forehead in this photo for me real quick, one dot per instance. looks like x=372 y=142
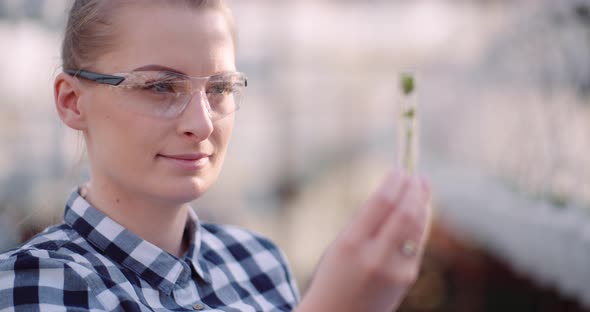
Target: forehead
x=195 y=41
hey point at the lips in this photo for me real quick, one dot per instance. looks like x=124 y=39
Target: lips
x=191 y=161
x=187 y=157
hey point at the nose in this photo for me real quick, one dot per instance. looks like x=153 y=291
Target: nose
x=195 y=120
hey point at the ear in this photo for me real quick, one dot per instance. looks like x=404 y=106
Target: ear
x=67 y=93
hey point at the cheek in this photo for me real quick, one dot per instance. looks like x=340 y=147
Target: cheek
x=122 y=138
x=104 y=115
x=222 y=133
x=220 y=139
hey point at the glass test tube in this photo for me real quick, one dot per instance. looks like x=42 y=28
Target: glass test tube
x=408 y=124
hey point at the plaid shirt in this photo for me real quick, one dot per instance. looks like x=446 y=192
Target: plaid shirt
x=91 y=263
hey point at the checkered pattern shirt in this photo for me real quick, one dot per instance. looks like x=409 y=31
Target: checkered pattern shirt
x=91 y=263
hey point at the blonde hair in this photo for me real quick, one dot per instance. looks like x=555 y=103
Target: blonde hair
x=89 y=30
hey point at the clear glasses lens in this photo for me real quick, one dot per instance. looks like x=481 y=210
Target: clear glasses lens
x=224 y=93
x=164 y=94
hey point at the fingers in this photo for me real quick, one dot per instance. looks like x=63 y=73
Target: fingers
x=373 y=215
x=408 y=222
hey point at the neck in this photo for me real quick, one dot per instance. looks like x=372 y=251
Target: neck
x=154 y=221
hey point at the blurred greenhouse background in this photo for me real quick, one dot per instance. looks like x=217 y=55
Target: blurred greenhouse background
x=504 y=100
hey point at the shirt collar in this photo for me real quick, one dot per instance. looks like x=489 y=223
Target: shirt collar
x=154 y=265
x=194 y=255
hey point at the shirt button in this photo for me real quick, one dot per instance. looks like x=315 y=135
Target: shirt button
x=198 y=306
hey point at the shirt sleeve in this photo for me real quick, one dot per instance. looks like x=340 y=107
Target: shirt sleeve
x=32 y=283
x=290 y=277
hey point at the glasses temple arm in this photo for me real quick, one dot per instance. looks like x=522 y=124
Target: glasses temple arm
x=96 y=77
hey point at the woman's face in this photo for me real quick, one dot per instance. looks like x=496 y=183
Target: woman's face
x=143 y=154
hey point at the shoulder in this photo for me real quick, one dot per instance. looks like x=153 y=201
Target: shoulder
x=234 y=235
x=260 y=257
x=39 y=276
x=52 y=238
x=56 y=243
x=242 y=244
x=32 y=279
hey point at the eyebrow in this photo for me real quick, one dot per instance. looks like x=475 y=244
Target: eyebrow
x=158 y=67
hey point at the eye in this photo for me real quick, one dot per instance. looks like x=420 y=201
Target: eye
x=220 y=88
x=161 y=87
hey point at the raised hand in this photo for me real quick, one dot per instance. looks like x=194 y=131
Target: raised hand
x=376 y=258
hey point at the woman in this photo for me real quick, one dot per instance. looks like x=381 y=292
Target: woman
x=153 y=87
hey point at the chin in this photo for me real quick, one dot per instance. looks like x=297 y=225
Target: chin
x=189 y=189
